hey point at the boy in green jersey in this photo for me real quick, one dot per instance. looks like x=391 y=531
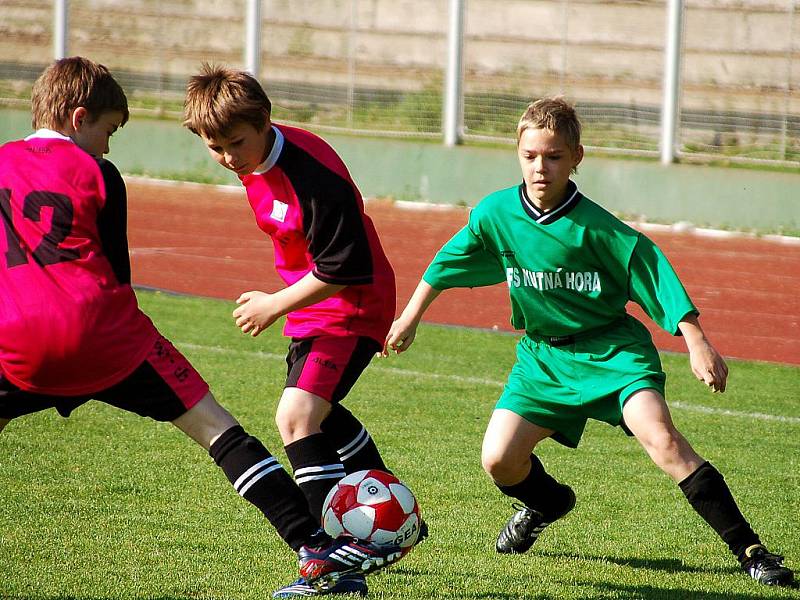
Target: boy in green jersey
x=571 y=267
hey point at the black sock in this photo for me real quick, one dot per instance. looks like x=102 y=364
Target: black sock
x=260 y=479
x=541 y=492
x=709 y=495
x=352 y=441
x=316 y=469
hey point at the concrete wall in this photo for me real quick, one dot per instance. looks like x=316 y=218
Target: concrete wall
x=739 y=54
x=407 y=170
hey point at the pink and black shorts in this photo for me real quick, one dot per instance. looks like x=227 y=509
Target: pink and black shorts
x=328 y=366
x=163 y=388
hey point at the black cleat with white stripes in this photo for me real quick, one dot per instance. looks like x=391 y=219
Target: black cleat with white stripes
x=765 y=567
x=524 y=527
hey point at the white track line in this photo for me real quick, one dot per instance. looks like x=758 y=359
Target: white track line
x=491 y=383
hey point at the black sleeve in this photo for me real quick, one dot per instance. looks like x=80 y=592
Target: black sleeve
x=332 y=220
x=112 y=222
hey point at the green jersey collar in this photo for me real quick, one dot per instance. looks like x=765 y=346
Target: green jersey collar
x=573 y=196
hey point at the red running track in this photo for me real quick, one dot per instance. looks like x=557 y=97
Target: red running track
x=203 y=240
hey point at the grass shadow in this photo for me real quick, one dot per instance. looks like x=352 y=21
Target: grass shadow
x=670 y=565
x=646 y=592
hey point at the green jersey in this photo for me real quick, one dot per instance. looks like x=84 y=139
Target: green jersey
x=569 y=270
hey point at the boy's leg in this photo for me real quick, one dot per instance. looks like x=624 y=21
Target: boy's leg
x=166 y=387
x=507 y=446
x=255 y=474
x=353 y=443
x=507 y=458
x=314 y=461
x=323 y=440
x=206 y=421
x=647 y=416
x=253 y=471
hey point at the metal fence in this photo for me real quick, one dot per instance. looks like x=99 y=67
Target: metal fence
x=379 y=65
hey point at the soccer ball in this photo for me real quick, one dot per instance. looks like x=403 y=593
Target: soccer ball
x=373 y=506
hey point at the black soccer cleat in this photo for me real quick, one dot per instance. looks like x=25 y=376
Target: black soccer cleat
x=524 y=527
x=423 y=533
x=352 y=584
x=765 y=567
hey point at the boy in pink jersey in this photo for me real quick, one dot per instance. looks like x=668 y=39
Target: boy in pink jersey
x=339 y=298
x=70 y=326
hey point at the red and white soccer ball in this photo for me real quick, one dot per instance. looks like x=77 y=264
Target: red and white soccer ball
x=374 y=506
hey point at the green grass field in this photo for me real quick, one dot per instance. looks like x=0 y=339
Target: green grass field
x=106 y=505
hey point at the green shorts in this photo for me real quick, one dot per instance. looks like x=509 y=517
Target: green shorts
x=561 y=387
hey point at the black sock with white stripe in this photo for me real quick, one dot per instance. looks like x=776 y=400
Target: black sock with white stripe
x=316 y=468
x=352 y=441
x=261 y=480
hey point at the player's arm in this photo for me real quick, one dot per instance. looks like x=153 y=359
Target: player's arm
x=258 y=310
x=707 y=364
x=403 y=331
x=334 y=226
x=112 y=222
x=464 y=261
x=655 y=286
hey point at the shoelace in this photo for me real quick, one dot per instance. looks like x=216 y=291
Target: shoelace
x=524 y=514
x=767 y=560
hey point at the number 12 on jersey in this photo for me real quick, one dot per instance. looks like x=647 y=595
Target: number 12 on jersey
x=47 y=252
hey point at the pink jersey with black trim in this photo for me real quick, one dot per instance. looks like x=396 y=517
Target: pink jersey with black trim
x=304 y=198
x=69 y=320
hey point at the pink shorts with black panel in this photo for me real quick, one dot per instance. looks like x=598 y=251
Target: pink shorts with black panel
x=328 y=366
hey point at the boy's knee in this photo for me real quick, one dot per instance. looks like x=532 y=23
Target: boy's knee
x=299 y=418
x=287 y=419
x=666 y=443
x=501 y=467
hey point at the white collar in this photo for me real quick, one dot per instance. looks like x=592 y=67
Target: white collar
x=48 y=134
x=272 y=158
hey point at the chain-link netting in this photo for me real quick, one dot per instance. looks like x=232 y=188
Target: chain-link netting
x=378 y=65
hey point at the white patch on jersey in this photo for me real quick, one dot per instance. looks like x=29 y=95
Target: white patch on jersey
x=279 y=210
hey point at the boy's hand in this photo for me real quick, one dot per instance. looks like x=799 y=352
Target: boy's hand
x=708 y=366
x=401 y=335
x=255 y=313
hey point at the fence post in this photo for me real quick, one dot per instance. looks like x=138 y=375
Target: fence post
x=60 y=28
x=672 y=73
x=453 y=110
x=351 y=61
x=252 y=49
x=787 y=97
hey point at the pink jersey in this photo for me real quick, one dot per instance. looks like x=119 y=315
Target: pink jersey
x=69 y=320
x=304 y=198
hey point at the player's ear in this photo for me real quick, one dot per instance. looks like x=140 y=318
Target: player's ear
x=78 y=117
x=577 y=157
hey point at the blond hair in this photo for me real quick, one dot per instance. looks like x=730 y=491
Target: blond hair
x=555 y=114
x=70 y=83
x=218 y=98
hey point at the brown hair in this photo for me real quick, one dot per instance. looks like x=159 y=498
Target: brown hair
x=555 y=114
x=218 y=98
x=70 y=83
